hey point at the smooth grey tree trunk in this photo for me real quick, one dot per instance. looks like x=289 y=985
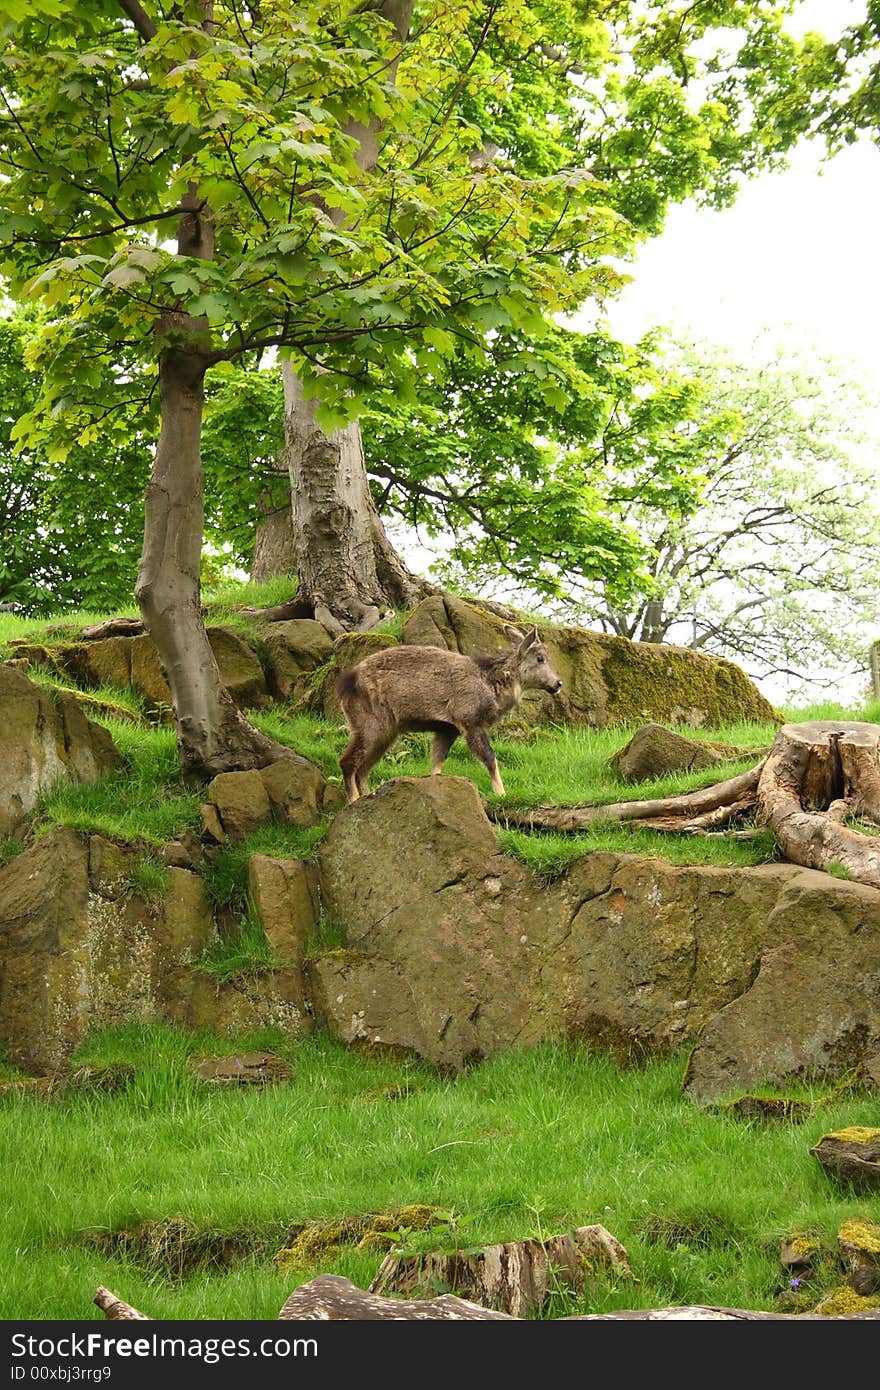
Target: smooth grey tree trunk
x=212 y=735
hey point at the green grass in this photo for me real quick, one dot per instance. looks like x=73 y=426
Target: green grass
x=226 y=872
x=535 y=1141
x=242 y=953
x=147 y=803
x=149 y=879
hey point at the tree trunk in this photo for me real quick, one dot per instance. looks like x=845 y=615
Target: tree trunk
x=348 y=571
x=274 y=541
x=212 y=735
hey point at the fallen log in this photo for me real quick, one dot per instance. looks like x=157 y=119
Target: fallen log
x=686 y=809
x=115 y=1310
x=330 y=1298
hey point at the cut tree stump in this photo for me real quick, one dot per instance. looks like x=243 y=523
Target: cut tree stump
x=815 y=777
x=514 y=1278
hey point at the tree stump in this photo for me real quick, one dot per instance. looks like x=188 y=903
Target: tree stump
x=514 y=1277
x=814 y=777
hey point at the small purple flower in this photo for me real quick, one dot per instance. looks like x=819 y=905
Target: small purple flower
x=795 y=1283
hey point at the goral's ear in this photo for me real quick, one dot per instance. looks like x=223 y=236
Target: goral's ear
x=530 y=639
x=513 y=633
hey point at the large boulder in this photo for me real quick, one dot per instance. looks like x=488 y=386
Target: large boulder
x=294 y=649
x=43 y=739
x=607 y=680
x=456 y=951
x=79 y=950
x=814 y=1005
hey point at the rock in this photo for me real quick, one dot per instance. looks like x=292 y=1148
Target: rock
x=654 y=751
x=79 y=951
x=455 y=951
x=844 y=1302
x=293 y=650
x=147 y=675
x=126 y=662
x=513 y=1278
x=295 y=789
x=44 y=739
x=463 y=953
x=109 y=867
x=256 y=999
x=348 y=650
x=309 y=1242
x=240 y=667
x=801 y=1253
x=851 y=1155
x=813 y=1007
x=334 y=799
x=241 y=801
x=212 y=826
x=858 y=1242
x=242 y=1069
x=285 y=894
x=362 y=999
x=768 y=1108
x=871 y=1073
x=607 y=680
x=183 y=852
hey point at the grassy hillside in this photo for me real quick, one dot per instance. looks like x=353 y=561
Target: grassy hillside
x=179 y=1196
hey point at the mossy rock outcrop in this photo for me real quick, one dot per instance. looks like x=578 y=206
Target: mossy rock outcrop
x=80 y=950
x=607 y=680
x=132 y=663
x=44 y=738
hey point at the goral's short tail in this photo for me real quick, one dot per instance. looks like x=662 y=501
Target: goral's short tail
x=346 y=684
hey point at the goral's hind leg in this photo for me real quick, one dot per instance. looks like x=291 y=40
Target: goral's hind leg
x=478 y=743
x=440 y=745
x=351 y=764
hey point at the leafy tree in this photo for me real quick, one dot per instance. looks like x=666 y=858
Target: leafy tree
x=656 y=102
x=780 y=557
x=246 y=128
x=70 y=530
x=520 y=492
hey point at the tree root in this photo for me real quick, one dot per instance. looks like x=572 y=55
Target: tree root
x=815 y=777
